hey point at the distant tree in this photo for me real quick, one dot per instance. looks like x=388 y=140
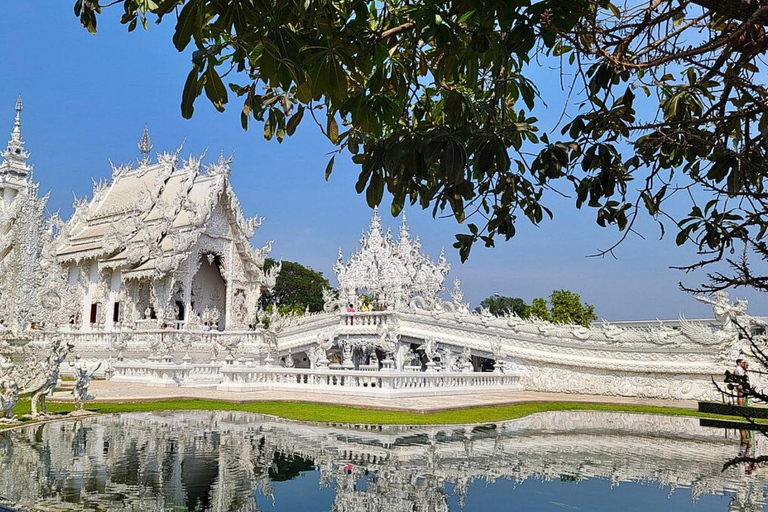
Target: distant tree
x=499 y=305
x=568 y=308
x=297 y=288
x=539 y=309
x=565 y=307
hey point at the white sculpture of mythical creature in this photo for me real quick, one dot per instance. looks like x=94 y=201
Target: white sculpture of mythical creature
x=389 y=336
x=83 y=377
x=44 y=381
x=429 y=347
x=230 y=345
x=420 y=303
x=497 y=349
x=612 y=332
x=330 y=300
x=580 y=332
x=319 y=354
x=164 y=344
x=726 y=313
x=8 y=400
x=289 y=363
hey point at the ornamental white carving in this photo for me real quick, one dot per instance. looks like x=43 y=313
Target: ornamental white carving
x=393 y=272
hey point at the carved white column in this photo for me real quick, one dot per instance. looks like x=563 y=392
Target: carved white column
x=189 y=275
x=114 y=291
x=229 y=289
x=89 y=278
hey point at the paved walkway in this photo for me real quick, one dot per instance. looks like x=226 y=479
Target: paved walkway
x=107 y=391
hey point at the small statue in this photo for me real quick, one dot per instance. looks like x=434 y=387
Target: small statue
x=49 y=377
x=83 y=377
x=725 y=312
x=8 y=399
x=289 y=360
x=429 y=347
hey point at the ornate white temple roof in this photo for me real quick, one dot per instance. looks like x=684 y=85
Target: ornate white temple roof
x=392 y=271
x=148 y=218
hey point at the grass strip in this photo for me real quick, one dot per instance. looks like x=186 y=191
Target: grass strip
x=304 y=411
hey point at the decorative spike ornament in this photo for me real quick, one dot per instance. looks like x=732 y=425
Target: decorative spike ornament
x=145 y=148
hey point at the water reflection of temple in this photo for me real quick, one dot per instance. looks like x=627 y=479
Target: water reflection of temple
x=226 y=461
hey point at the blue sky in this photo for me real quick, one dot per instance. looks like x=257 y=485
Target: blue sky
x=88 y=97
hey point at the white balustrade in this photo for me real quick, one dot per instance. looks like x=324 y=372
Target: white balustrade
x=167 y=373
x=364 y=318
x=381 y=383
x=137 y=338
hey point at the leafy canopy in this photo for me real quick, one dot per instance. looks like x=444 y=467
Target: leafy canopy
x=434 y=101
x=500 y=305
x=296 y=289
x=565 y=307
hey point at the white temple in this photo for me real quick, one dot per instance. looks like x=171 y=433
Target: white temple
x=164 y=243
x=156 y=278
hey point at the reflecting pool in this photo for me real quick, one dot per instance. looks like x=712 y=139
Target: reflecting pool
x=225 y=461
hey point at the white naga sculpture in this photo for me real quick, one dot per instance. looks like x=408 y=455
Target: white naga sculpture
x=83 y=376
x=44 y=381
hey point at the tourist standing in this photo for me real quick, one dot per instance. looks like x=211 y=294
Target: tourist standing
x=742 y=380
x=351 y=309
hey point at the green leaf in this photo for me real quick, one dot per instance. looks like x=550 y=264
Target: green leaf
x=337 y=80
x=304 y=92
x=397 y=204
x=190 y=20
x=190 y=93
x=294 y=121
x=214 y=88
x=375 y=190
x=329 y=167
x=333 y=129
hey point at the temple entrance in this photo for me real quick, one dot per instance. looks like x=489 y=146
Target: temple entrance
x=209 y=292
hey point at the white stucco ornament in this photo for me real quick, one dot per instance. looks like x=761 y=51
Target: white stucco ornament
x=83 y=376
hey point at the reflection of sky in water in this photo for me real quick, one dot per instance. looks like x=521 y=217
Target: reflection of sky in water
x=238 y=462
x=594 y=495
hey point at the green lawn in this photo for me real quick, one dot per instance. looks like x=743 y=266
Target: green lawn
x=340 y=414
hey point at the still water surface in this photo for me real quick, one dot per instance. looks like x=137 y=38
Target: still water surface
x=224 y=461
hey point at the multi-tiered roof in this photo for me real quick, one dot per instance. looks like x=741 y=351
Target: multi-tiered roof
x=149 y=218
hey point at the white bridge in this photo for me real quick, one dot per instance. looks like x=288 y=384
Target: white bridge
x=420 y=353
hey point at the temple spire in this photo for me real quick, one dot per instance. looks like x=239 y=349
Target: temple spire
x=145 y=147
x=16 y=134
x=14 y=156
